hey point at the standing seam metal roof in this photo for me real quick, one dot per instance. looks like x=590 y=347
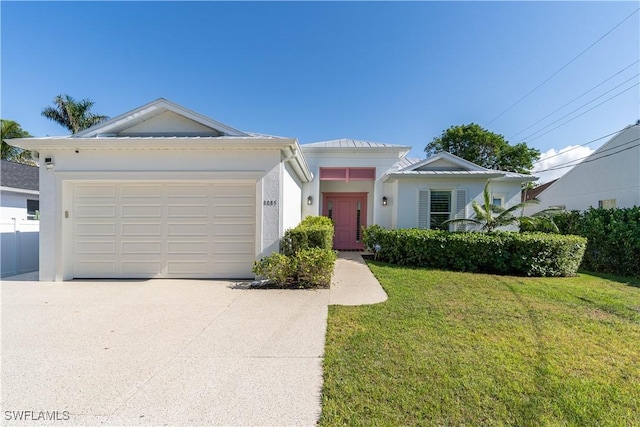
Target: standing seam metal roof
x=352 y=143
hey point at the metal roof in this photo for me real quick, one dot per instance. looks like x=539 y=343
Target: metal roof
x=449 y=173
x=407 y=162
x=353 y=143
x=17 y=175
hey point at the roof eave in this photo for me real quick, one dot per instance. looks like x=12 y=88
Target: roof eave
x=149 y=143
x=394 y=176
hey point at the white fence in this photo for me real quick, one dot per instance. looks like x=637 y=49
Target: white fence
x=19 y=246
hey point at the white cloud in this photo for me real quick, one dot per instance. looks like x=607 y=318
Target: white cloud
x=552 y=158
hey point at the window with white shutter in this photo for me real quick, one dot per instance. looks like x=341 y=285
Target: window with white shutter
x=423 y=209
x=461 y=209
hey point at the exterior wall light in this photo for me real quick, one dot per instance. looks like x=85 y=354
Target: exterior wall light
x=309 y=200
x=48 y=162
x=385 y=201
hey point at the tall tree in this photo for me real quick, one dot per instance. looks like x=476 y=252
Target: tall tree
x=10 y=130
x=478 y=145
x=71 y=114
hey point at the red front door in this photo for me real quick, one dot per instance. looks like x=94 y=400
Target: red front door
x=349 y=214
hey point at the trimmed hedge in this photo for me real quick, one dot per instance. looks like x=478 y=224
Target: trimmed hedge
x=312 y=232
x=613 y=238
x=524 y=254
x=306 y=258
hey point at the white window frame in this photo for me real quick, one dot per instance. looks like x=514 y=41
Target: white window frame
x=500 y=197
x=453 y=206
x=607 y=204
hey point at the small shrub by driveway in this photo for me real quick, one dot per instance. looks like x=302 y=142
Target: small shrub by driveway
x=452 y=348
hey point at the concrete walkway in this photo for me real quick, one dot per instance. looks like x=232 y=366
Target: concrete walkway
x=168 y=352
x=353 y=283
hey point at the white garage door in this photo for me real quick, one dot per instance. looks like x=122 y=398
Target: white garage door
x=164 y=230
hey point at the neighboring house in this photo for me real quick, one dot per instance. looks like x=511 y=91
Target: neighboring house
x=18 y=214
x=162 y=191
x=533 y=193
x=19 y=192
x=608 y=178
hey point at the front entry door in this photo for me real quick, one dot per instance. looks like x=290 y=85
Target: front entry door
x=349 y=214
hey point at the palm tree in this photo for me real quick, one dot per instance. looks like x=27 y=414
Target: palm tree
x=10 y=130
x=71 y=114
x=489 y=216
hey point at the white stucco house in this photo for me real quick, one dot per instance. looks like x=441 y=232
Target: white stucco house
x=162 y=191
x=608 y=178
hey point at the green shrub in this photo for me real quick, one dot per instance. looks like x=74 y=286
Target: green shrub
x=528 y=254
x=613 y=238
x=316 y=221
x=315 y=267
x=312 y=232
x=307 y=268
x=278 y=268
x=306 y=257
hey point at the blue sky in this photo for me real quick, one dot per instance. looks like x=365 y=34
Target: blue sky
x=386 y=72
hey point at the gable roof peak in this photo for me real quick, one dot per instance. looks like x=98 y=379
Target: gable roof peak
x=153 y=109
x=448 y=157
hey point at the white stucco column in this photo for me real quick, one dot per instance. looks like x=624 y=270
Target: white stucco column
x=271 y=202
x=48 y=221
x=312 y=189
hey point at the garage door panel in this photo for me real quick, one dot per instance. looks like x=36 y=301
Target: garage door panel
x=188 y=248
x=188 y=267
x=187 y=229
x=140 y=268
x=145 y=191
x=232 y=269
x=95 y=229
x=95 y=269
x=96 y=247
x=232 y=249
x=96 y=191
x=141 y=229
x=191 y=190
x=141 y=211
x=188 y=211
x=95 y=211
x=142 y=247
x=150 y=229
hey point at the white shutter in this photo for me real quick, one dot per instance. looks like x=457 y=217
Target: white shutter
x=461 y=208
x=423 y=209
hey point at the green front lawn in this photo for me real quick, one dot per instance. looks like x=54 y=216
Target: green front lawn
x=471 y=349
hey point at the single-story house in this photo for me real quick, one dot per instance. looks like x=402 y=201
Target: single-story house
x=608 y=178
x=19 y=191
x=162 y=191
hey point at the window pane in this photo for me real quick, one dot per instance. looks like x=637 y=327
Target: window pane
x=32 y=206
x=497 y=201
x=607 y=204
x=441 y=201
x=440 y=209
x=437 y=220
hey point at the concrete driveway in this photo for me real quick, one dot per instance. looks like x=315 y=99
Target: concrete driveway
x=162 y=352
